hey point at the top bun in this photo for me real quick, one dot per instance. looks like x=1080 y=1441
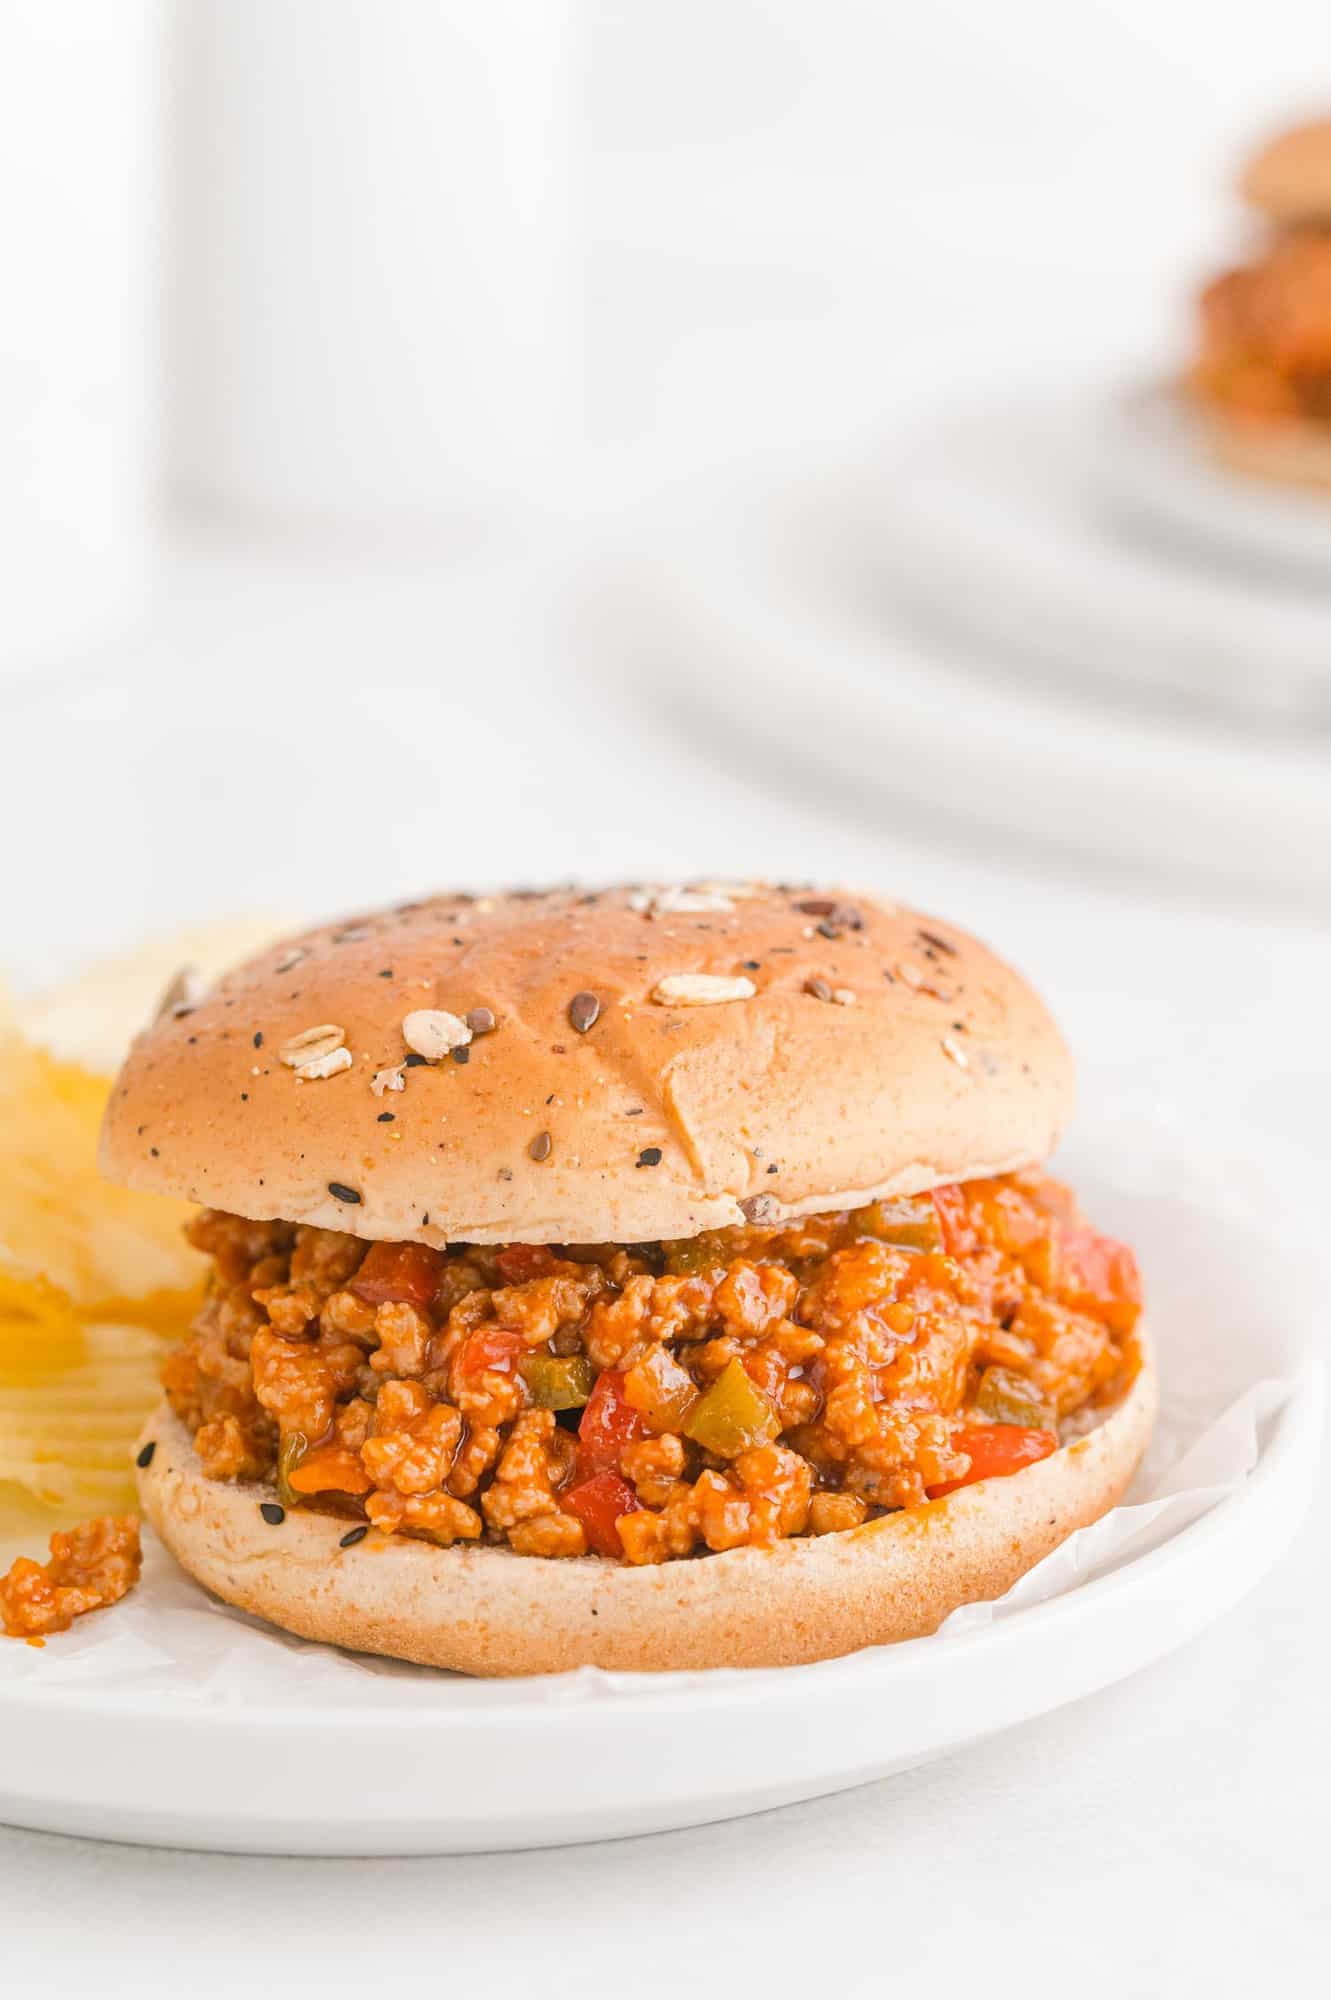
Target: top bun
x=837 y=1049
x=1290 y=179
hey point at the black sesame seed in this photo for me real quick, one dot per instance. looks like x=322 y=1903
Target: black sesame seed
x=584 y=1011
x=827 y=930
x=650 y=1156
x=273 y=1512
x=341 y=1192
x=385 y=1118
x=412 y=1061
x=751 y=965
x=539 y=1148
x=939 y=943
x=387 y=972
x=354 y=1535
x=244 y=1097
x=258 y=1039
x=145 y=1457
x=636 y=1111
x=153 y=1150
x=480 y=1020
x=461 y=1054
x=774 y=1168
x=425 y=1220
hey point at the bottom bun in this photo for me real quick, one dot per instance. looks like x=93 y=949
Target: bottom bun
x=490 y=1611
x=1286 y=450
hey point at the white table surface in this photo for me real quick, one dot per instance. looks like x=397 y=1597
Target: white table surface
x=1169 y=1836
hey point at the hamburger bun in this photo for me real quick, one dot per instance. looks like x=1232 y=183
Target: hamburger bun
x=640 y=1065
x=867 y=1051
x=1286 y=450
x=488 y=1611
x=1289 y=180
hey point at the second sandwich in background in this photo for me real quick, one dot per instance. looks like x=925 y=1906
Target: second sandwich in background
x=1262 y=375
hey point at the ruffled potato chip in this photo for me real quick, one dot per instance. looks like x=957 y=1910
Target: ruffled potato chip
x=115 y=1254
x=67 y=1430
x=93 y=1017
x=93 y=1278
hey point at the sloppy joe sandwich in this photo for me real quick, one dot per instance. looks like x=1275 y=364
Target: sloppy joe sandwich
x=1262 y=375
x=650 y=1278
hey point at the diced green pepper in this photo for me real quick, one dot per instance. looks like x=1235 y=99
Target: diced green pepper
x=294 y=1448
x=691 y=1254
x=909 y=1223
x=558 y=1381
x=733 y=1415
x=662 y=1390
x=1009 y=1398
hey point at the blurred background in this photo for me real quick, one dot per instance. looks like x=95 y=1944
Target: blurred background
x=463 y=444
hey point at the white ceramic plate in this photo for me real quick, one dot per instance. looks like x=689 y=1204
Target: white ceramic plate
x=1153 y=463
x=1037 y=531
x=171 y=1720
x=778 y=634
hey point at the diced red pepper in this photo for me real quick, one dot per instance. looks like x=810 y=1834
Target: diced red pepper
x=598 y=1503
x=995 y=1450
x=1099 y=1276
x=398 y=1273
x=609 y=1422
x=954 y=1217
x=521 y=1262
x=492 y=1347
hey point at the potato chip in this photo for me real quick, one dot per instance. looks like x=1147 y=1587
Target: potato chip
x=39 y=1328
x=115 y=1254
x=67 y=1429
x=91 y=1276
x=93 y=1018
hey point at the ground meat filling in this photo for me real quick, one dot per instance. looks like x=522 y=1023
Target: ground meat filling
x=650 y=1401
x=1266 y=332
x=89 y=1566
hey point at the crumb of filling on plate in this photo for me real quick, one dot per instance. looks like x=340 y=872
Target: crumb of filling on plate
x=89 y=1566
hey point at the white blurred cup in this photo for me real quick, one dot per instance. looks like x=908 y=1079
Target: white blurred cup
x=369 y=254
x=78 y=127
